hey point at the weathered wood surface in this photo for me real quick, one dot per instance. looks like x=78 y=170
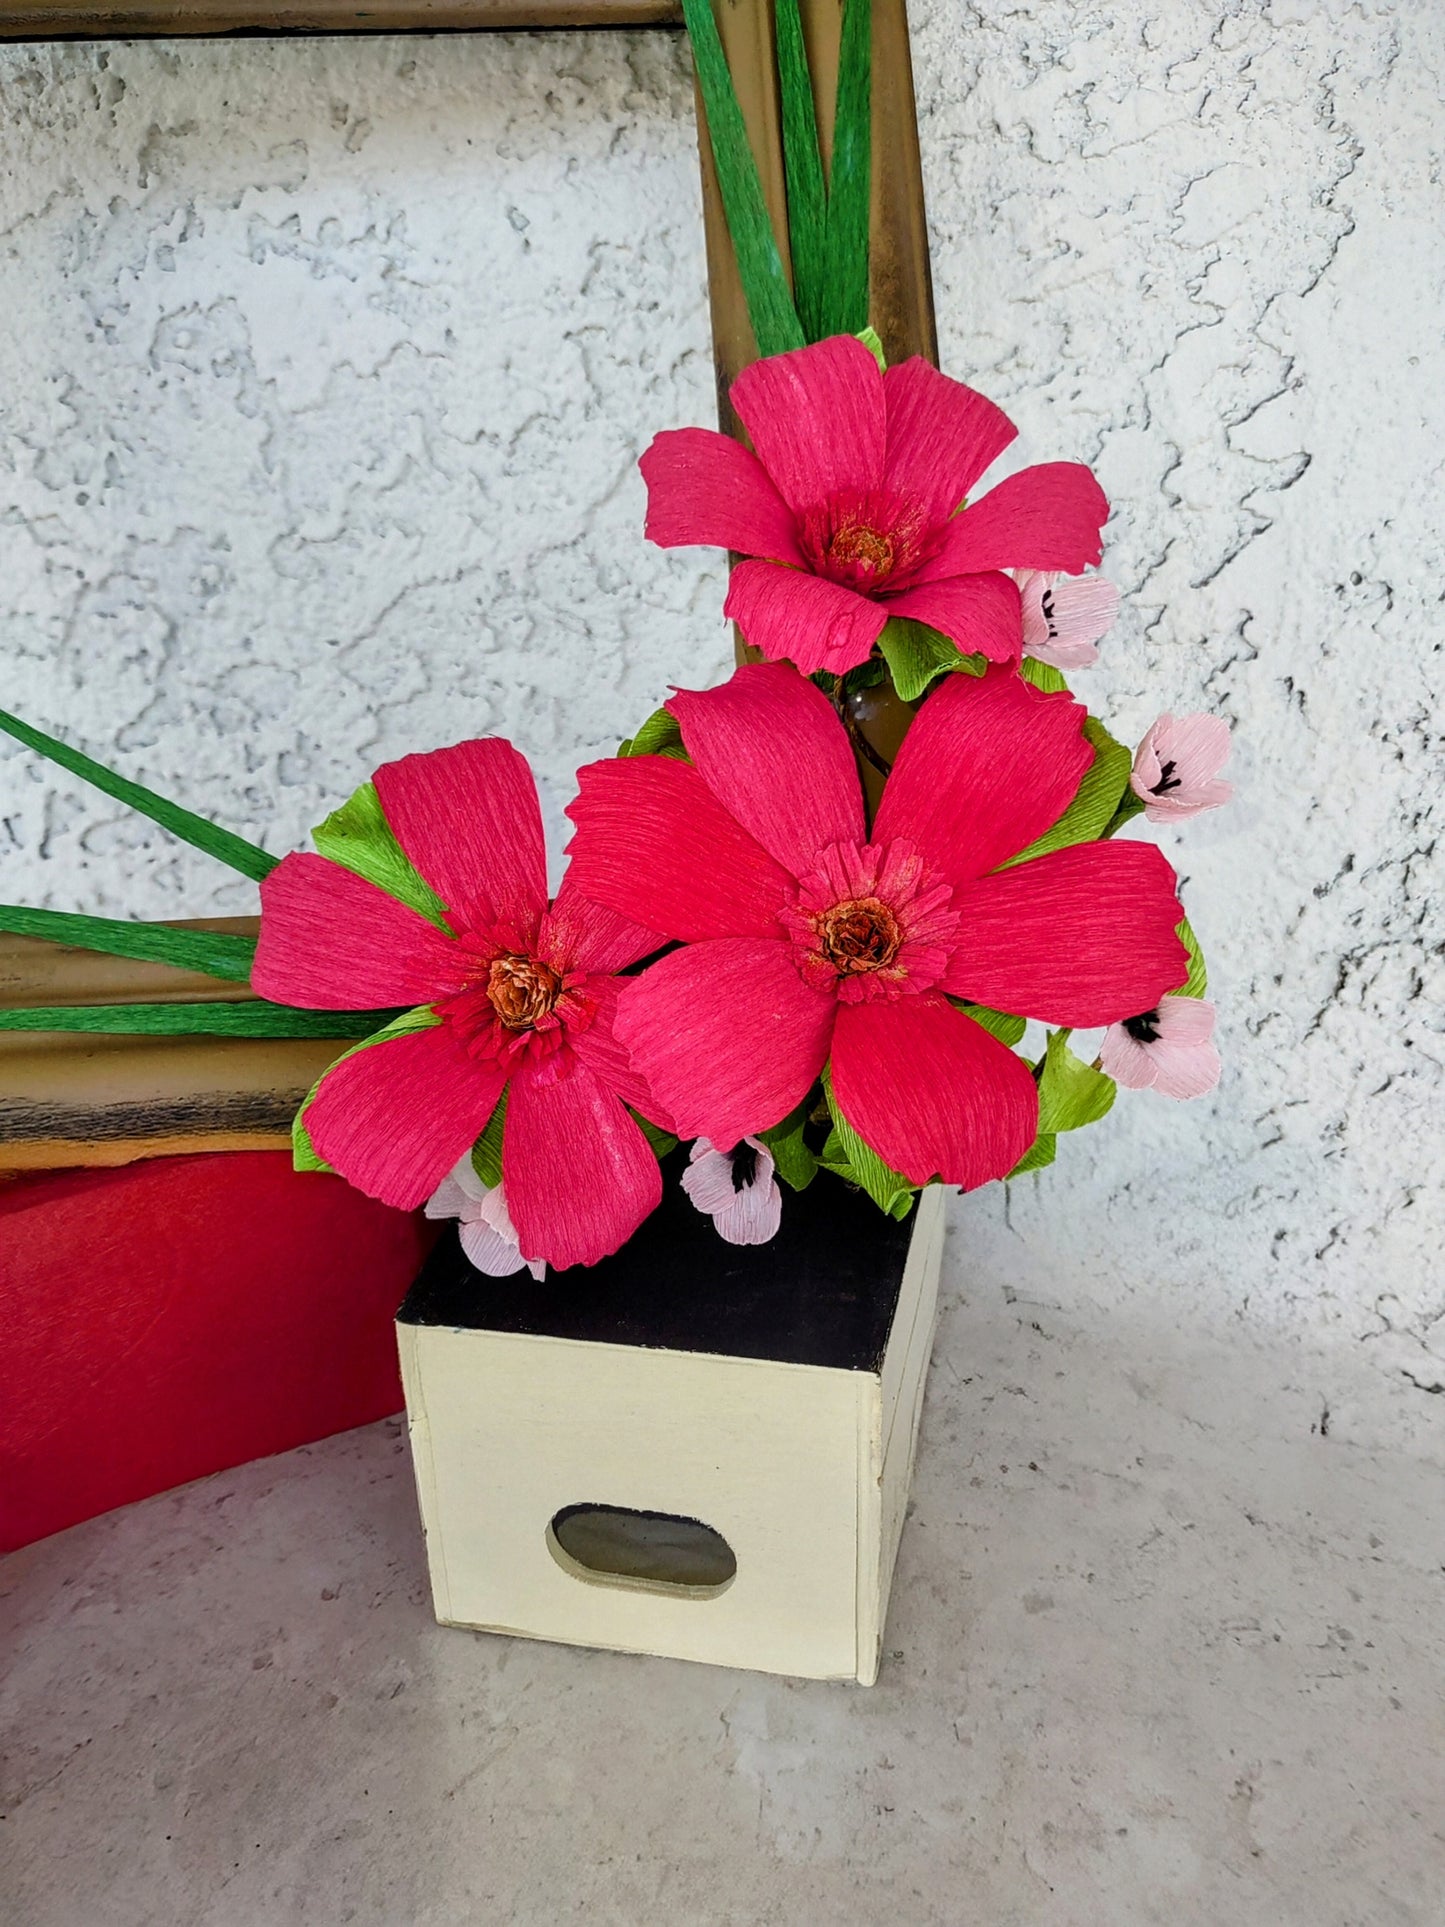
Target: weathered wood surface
x=67 y=20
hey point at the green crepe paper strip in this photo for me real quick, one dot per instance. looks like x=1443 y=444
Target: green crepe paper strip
x=796 y=1164
x=1008 y=1030
x=765 y=285
x=1197 y=982
x=487 y=1151
x=304 y=1155
x=1041 y=1152
x=658 y=736
x=852 y=1158
x=917 y=656
x=1095 y=802
x=234 y=851
x=845 y=287
x=359 y=838
x=662 y=1142
x=1071 y=1092
x=803 y=166
x=213 y=952
x=250 y=1019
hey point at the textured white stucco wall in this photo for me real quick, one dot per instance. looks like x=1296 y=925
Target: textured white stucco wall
x=325 y=367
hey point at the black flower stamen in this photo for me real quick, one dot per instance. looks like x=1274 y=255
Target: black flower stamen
x=1046 y=603
x=1144 y=1028
x=1167 y=779
x=745 y=1165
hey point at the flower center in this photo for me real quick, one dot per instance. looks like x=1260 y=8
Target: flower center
x=1144 y=1028
x=859 y=934
x=522 y=990
x=869 y=550
x=1167 y=780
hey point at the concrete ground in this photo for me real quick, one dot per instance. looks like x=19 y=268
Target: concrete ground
x=1166 y=1645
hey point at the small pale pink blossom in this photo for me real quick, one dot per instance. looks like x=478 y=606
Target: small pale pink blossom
x=737 y=1189
x=1169 y=1049
x=1176 y=767
x=487 y=1234
x=1065 y=616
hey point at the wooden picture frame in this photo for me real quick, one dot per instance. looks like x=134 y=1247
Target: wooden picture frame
x=69 y=1098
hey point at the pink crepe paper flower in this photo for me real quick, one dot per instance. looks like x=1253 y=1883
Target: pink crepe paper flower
x=1063 y=619
x=808 y=938
x=487 y=1233
x=521 y=998
x=1168 y=1049
x=848 y=508
x=1176 y=767
x=737 y=1189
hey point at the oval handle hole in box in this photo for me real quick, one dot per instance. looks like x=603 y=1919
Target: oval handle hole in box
x=616 y=1545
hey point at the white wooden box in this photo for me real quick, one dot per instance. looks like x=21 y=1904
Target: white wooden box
x=772 y=1394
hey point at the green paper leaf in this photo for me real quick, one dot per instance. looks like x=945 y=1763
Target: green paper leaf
x=304 y=1155
x=234 y=851
x=359 y=838
x=1129 y=807
x=662 y=1142
x=807 y=196
x=253 y=1018
x=658 y=736
x=853 y=1158
x=845 y=287
x=1197 y=982
x=917 y=656
x=1093 y=808
x=1008 y=1030
x=776 y=326
x=796 y=1164
x=214 y=952
x=872 y=341
x=1042 y=675
x=1071 y=1092
x=1041 y=1153
x=487 y=1151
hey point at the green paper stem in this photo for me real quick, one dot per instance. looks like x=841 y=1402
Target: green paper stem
x=213 y=952
x=807 y=195
x=253 y=1018
x=845 y=286
x=765 y=284
x=227 y=848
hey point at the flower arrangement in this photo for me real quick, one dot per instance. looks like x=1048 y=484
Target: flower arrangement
x=758 y=948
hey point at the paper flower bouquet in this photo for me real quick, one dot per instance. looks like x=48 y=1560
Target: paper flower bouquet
x=774 y=943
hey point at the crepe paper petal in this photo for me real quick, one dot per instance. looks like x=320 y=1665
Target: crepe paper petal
x=1047 y=517
x=931 y=1091
x=393 y=1120
x=1092 y=810
x=1071 y=1092
x=941 y=437
x=769 y=747
x=1063 y=618
x=608 y=1057
x=232 y=850
x=580 y=934
x=978 y=613
x=816 y=419
x=727 y=1034
x=578 y=1173
x=987 y=766
x=332 y=941
x=1169 y=1049
x=802 y=619
x=490 y=1252
x=705 y=488
x=215 y=953
x=359 y=838
x=252 y=1017
x=760 y=269
x=653 y=843
x=791 y=1154
x=468 y=818
x=304 y=1155
x=917 y=656
x=460 y=1191
x=736 y=1189
x=1176 y=767
x=485 y=1229
x=1078 y=938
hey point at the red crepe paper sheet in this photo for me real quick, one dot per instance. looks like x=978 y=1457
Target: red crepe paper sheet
x=177 y=1317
